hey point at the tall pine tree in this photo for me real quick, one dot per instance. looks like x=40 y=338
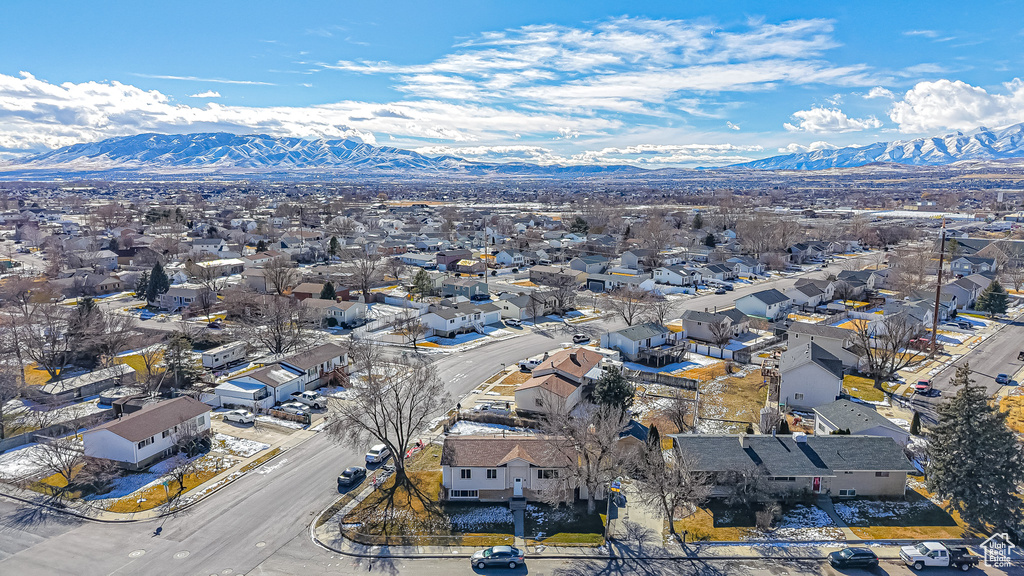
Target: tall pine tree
x=422 y=285
x=993 y=300
x=327 y=292
x=976 y=462
x=142 y=285
x=159 y=283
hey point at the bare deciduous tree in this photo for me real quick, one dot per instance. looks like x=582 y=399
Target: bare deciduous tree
x=391 y=404
x=563 y=292
x=669 y=487
x=721 y=331
x=280 y=274
x=659 y=309
x=277 y=323
x=631 y=304
x=885 y=344
x=365 y=270
x=61 y=456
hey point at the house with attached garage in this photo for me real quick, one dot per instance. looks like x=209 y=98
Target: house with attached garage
x=839 y=342
x=333 y=313
x=677 y=275
x=498 y=469
x=448 y=321
x=712 y=327
x=806 y=295
x=634 y=340
x=746 y=266
x=318 y=365
x=718 y=271
x=770 y=304
x=856 y=418
x=609 y=282
x=137 y=440
x=593 y=264
x=967 y=265
x=840 y=465
x=526 y=306
x=465 y=287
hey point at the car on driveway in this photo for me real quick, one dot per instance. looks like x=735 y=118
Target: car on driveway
x=853 y=558
x=239 y=416
x=1003 y=379
x=378 y=454
x=351 y=476
x=497 y=556
x=580 y=338
x=293 y=408
x=513 y=322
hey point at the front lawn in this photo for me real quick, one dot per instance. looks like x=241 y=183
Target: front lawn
x=721 y=523
x=862 y=389
x=916 y=517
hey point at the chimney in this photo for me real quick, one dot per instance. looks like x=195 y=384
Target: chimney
x=800 y=438
x=743 y=440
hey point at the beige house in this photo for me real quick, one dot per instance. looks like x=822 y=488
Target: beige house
x=496 y=469
x=558 y=382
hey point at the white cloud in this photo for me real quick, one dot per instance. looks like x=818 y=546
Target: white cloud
x=925 y=33
x=947 y=104
x=830 y=120
x=732 y=126
x=668 y=154
x=795 y=148
x=880 y=92
x=35 y=114
x=210 y=80
x=207 y=94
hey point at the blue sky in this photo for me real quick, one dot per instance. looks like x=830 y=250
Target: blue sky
x=649 y=83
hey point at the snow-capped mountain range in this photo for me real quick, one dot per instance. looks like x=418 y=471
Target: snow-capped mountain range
x=222 y=155
x=982 y=144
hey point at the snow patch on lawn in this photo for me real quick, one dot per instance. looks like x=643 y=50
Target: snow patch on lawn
x=22 y=462
x=467 y=428
x=281 y=422
x=803 y=523
x=469 y=520
x=236 y=446
x=865 y=511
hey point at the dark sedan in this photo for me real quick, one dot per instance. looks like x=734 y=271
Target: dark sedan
x=351 y=476
x=497 y=556
x=853 y=558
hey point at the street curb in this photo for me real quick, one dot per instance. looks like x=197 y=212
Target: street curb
x=70 y=512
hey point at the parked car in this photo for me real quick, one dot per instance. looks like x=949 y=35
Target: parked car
x=497 y=556
x=293 y=408
x=580 y=338
x=492 y=408
x=311 y=399
x=351 y=476
x=720 y=291
x=923 y=386
x=240 y=417
x=1003 y=379
x=513 y=322
x=216 y=325
x=378 y=454
x=853 y=558
x=965 y=325
x=936 y=554
x=529 y=364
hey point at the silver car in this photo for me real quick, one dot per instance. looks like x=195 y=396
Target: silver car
x=497 y=556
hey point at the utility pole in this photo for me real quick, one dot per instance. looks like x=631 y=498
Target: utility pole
x=938 y=287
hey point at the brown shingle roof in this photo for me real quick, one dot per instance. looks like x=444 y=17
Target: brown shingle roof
x=555 y=383
x=315 y=356
x=575 y=362
x=494 y=452
x=155 y=418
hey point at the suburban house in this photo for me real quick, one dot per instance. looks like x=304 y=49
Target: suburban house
x=555 y=275
x=634 y=340
x=469 y=266
x=856 y=418
x=448 y=258
x=809 y=377
x=267 y=386
x=255 y=279
x=307 y=290
x=967 y=265
x=839 y=342
x=509 y=259
x=141 y=438
x=526 y=306
x=827 y=287
x=638 y=258
x=769 y=304
x=714 y=328
x=609 y=282
x=318 y=364
x=559 y=379
x=806 y=295
x=841 y=465
x=333 y=313
x=965 y=290
x=720 y=272
x=594 y=264
x=746 y=266
x=465 y=287
x=496 y=469
x=677 y=275
x=448 y=321
x=419 y=260
x=182 y=296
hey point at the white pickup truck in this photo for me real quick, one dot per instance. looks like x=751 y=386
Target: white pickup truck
x=937 y=554
x=311 y=399
x=530 y=363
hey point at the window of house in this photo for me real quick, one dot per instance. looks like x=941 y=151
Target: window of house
x=492 y=473
x=146 y=442
x=881 y=474
x=165 y=434
x=798 y=396
x=466 y=473
x=784 y=479
x=462 y=493
x=199 y=420
x=547 y=474
x=848 y=492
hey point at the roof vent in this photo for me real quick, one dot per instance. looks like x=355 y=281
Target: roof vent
x=743 y=440
x=800 y=438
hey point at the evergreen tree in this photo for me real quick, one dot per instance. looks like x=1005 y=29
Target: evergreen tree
x=334 y=246
x=612 y=389
x=654 y=438
x=142 y=285
x=975 y=460
x=261 y=246
x=327 y=292
x=953 y=249
x=422 y=285
x=579 y=226
x=698 y=221
x=750 y=429
x=993 y=300
x=710 y=241
x=159 y=283
x=784 y=426
x=915 y=424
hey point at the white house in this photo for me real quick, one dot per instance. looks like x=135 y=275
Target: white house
x=631 y=341
x=746 y=266
x=809 y=377
x=318 y=364
x=496 y=469
x=182 y=296
x=839 y=342
x=252 y=395
x=141 y=438
x=967 y=265
x=769 y=304
x=677 y=276
x=279 y=383
x=525 y=306
x=808 y=295
x=447 y=321
x=509 y=258
x=856 y=418
x=334 y=313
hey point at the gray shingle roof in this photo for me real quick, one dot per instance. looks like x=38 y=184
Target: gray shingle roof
x=783 y=456
x=642 y=331
x=823 y=330
x=770 y=296
x=844 y=414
